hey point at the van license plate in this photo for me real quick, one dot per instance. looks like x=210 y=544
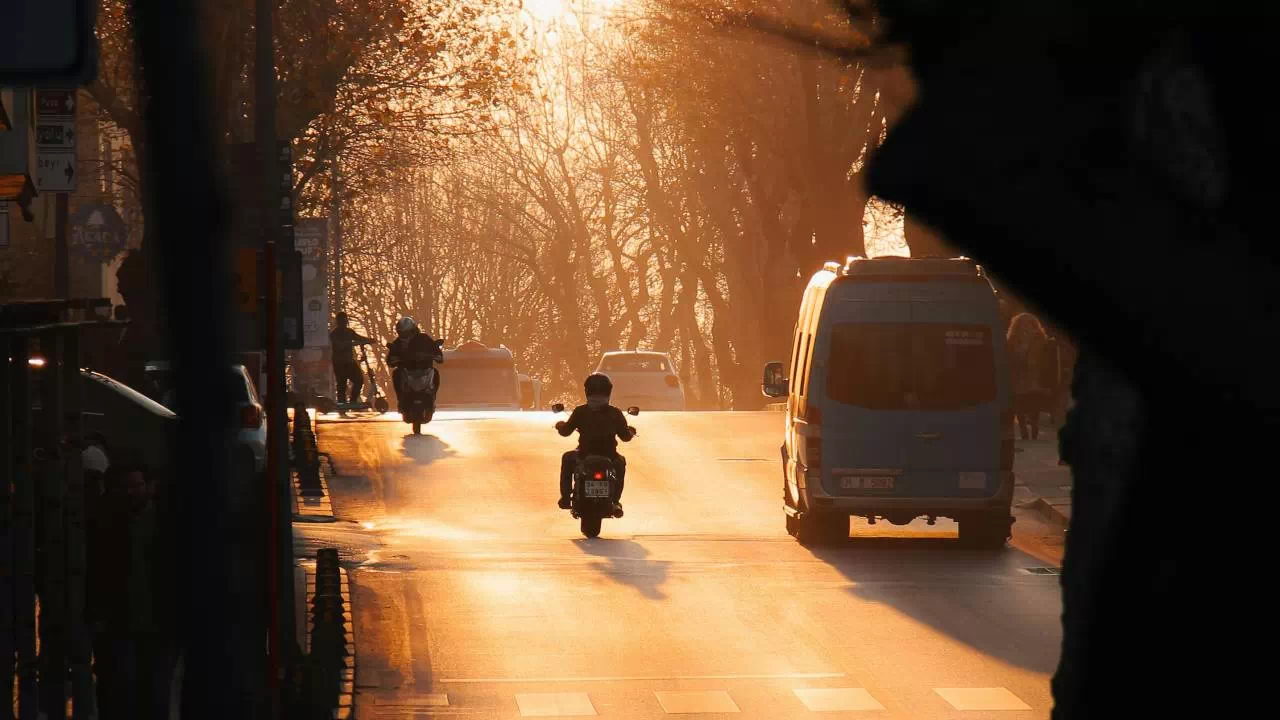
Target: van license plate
x=866 y=483
x=597 y=489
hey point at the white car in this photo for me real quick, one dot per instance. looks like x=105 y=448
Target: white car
x=645 y=379
x=251 y=418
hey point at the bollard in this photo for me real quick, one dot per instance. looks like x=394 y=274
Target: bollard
x=306 y=455
x=328 y=636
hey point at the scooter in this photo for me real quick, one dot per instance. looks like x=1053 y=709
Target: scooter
x=595 y=480
x=375 y=399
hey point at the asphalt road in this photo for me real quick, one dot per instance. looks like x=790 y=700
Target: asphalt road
x=476 y=597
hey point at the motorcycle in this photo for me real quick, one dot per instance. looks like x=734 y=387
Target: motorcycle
x=594 y=481
x=418 y=388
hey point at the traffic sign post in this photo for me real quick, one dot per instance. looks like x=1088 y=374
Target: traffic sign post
x=56 y=170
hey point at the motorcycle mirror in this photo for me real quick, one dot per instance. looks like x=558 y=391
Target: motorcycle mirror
x=633 y=410
x=557 y=408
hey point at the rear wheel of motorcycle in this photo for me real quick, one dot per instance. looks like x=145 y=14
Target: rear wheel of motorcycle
x=417 y=428
x=591 y=526
x=381 y=405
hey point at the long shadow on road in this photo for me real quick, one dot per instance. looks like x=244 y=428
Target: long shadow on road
x=425 y=449
x=973 y=596
x=627 y=564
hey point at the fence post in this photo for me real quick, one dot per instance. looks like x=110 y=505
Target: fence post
x=8 y=462
x=24 y=508
x=51 y=564
x=77 y=567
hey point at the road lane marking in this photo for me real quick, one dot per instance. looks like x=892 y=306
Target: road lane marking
x=644 y=678
x=554 y=704
x=684 y=702
x=996 y=698
x=837 y=699
x=428 y=700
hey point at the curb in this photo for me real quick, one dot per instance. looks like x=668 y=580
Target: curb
x=1049 y=510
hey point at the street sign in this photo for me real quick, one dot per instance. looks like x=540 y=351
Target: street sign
x=56 y=134
x=56 y=172
x=98 y=231
x=55 y=103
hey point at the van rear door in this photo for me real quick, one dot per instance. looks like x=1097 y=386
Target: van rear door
x=912 y=402
x=954 y=450
x=865 y=383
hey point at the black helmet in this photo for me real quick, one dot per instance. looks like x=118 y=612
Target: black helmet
x=598 y=384
x=341 y=318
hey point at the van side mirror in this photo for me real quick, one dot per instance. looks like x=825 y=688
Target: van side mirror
x=633 y=410
x=774 y=384
x=557 y=408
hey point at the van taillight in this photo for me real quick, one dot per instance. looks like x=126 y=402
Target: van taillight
x=813 y=453
x=673 y=381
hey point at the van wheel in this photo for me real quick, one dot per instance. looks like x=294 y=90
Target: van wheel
x=815 y=529
x=986 y=531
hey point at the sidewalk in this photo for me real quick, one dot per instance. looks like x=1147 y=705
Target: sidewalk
x=1041 y=483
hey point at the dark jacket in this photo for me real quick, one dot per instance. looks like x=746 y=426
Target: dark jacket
x=599 y=430
x=414 y=352
x=343 y=342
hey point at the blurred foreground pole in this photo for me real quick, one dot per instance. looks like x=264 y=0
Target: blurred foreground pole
x=282 y=652
x=221 y=642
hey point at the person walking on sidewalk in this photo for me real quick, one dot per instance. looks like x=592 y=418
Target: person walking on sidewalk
x=342 y=343
x=1027 y=342
x=132 y=641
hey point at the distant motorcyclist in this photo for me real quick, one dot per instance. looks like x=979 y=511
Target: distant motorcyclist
x=412 y=349
x=342 y=343
x=600 y=426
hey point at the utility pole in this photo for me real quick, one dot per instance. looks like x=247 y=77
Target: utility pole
x=336 y=213
x=62 y=251
x=264 y=135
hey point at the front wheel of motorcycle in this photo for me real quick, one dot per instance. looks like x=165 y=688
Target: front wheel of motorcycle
x=591 y=525
x=417 y=428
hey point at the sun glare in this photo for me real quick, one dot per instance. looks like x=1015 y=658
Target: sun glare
x=544 y=10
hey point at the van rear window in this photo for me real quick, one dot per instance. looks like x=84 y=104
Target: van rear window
x=911 y=366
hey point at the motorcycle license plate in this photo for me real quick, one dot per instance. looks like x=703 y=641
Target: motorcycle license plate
x=596 y=489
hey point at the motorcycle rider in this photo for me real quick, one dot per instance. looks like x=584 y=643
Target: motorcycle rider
x=342 y=343
x=407 y=351
x=600 y=426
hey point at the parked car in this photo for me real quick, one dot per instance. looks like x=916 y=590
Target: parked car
x=898 y=401
x=133 y=424
x=643 y=379
x=251 y=419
